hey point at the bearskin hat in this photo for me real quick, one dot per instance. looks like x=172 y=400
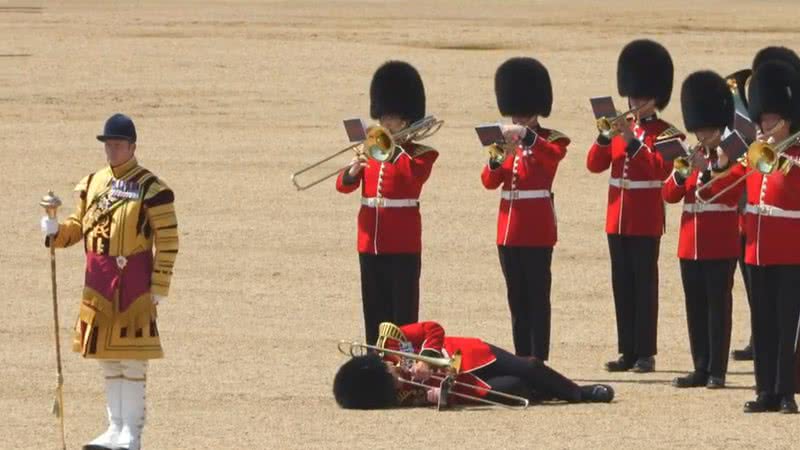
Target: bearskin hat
x=397 y=88
x=364 y=382
x=776 y=53
x=644 y=70
x=775 y=88
x=522 y=87
x=706 y=101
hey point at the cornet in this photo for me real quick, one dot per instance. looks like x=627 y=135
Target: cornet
x=380 y=144
x=683 y=164
x=606 y=124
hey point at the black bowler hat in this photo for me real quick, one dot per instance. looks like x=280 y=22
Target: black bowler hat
x=118 y=126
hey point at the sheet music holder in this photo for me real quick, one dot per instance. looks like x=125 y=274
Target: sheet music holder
x=490 y=133
x=671 y=148
x=355 y=129
x=733 y=146
x=746 y=128
x=603 y=107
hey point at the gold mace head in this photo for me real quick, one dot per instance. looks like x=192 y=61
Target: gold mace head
x=50 y=203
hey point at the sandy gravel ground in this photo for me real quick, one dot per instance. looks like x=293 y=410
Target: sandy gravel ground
x=229 y=98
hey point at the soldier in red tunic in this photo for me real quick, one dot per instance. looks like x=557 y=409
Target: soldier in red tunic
x=635 y=215
x=709 y=234
x=772 y=251
x=389 y=223
x=765 y=54
x=526 y=222
x=367 y=382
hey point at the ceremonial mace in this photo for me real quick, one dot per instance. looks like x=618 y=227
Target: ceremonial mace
x=50 y=203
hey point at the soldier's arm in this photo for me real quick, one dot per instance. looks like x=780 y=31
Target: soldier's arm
x=70 y=231
x=159 y=205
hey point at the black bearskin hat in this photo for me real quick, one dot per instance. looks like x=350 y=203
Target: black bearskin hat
x=364 y=382
x=776 y=53
x=775 y=88
x=522 y=87
x=397 y=89
x=644 y=70
x=706 y=101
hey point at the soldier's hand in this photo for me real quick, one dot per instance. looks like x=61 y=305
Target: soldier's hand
x=158 y=299
x=357 y=164
x=722 y=158
x=513 y=134
x=49 y=226
x=421 y=371
x=432 y=395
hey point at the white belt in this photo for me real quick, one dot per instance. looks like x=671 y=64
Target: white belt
x=703 y=207
x=628 y=184
x=380 y=202
x=774 y=211
x=521 y=195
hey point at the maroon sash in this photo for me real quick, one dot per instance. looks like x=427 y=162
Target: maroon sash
x=104 y=275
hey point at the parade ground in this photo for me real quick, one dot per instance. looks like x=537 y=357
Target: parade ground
x=231 y=97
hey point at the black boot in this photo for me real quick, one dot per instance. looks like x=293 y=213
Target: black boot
x=95 y=447
x=598 y=393
x=745 y=354
x=623 y=364
x=788 y=405
x=716 y=382
x=763 y=403
x=644 y=365
x=694 y=379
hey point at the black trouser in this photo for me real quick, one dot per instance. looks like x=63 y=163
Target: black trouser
x=528 y=280
x=526 y=376
x=634 y=279
x=389 y=290
x=775 y=308
x=707 y=286
x=745 y=280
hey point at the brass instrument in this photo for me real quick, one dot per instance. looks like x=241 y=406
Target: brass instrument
x=497 y=153
x=606 y=124
x=358 y=349
x=683 y=164
x=380 y=145
x=451 y=366
x=762 y=157
x=738 y=83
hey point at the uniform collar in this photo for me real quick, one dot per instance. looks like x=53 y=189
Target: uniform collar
x=122 y=169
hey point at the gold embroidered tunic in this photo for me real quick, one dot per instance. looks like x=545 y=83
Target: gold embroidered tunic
x=126 y=219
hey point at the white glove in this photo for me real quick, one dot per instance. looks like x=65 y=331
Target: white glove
x=158 y=299
x=49 y=226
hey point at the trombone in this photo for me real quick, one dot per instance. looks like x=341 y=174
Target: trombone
x=606 y=124
x=452 y=366
x=762 y=157
x=380 y=144
x=351 y=348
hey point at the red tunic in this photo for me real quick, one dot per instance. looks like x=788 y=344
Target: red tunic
x=772 y=217
x=526 y=217
x=635 y=206
x=423 y=336
x=707 y=231
x=389 y=219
